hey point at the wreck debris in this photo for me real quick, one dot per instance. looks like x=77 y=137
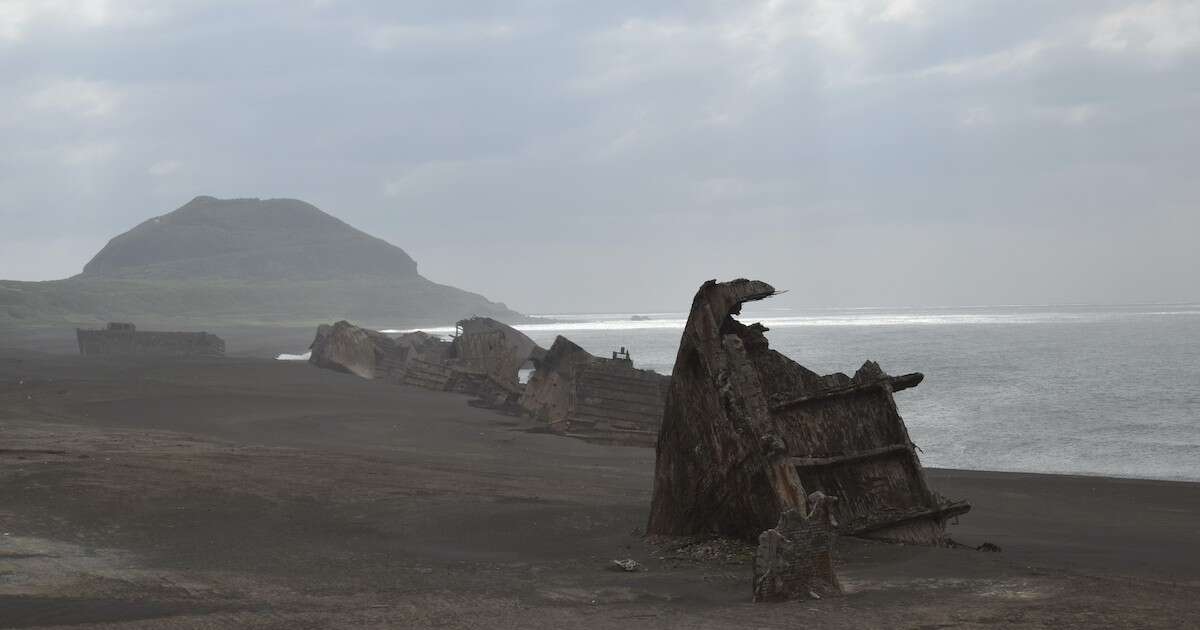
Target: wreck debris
x=426 y=361
x=794 y=559
x=747 y=432
x=575 y=392
x=124 y=339
x=572 y=391
x=365 y=353
x=483 y=359
x=486 y=359
x=484 y=345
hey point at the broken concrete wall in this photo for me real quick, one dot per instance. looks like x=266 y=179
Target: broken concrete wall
x=426 y=361
x=794 y=560
x=574 y=391
x=484 y=359
x=123 y=339
x=549 y=396
x=345 y=347
x=747 y=433
x=484 y=346
x=571 y=390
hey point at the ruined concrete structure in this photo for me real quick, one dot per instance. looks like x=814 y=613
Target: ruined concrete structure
x=484 y=357
x=347 y=348
x=576 y=392
x=426 y=361
x=747 y=433
x=794 y=559
x=571 y=390
x=124 y=339
x=488 y=355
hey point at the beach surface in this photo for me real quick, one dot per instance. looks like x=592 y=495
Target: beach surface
x=261 y=494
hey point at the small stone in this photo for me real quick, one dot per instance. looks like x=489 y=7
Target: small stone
x=628 y=565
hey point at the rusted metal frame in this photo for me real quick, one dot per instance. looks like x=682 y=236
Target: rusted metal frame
x=819 y=462
x=939 y=513
x=906 y=380
x=896 y=383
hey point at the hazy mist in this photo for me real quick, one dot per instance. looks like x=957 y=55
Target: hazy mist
x=589 y=156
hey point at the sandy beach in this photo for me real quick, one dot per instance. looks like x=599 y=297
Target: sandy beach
x=253 y=493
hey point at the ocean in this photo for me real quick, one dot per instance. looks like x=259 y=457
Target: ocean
x=1094 y=390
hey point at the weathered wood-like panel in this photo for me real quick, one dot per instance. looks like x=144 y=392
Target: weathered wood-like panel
x=828 y=424
x=428 y=374
x=597 y=398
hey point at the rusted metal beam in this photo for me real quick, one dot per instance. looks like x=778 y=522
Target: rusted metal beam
x=816 y=462
x=940 y=513
x=897 y=383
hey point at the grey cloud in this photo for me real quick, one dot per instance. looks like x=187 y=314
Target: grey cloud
x=587 y=156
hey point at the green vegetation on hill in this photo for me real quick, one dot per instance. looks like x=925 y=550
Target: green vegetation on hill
x=243 y=262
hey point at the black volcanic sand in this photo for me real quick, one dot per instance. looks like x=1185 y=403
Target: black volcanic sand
x=259 y=494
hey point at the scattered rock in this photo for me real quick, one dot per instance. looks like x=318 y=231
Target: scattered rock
x=629 y=565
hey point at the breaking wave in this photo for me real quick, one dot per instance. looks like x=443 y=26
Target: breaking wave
x=873 y=316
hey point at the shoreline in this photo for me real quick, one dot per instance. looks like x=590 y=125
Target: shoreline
x=1076 y=476
x=8 y=354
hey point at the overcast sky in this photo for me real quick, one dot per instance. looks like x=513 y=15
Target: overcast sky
x=582 y=156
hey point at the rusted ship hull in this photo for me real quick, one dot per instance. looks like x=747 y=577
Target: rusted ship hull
x=747 y=433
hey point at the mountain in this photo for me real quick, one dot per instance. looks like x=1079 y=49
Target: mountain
x=249 y=239
x=244 y=262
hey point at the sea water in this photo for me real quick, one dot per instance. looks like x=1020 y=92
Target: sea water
x=1111 y=390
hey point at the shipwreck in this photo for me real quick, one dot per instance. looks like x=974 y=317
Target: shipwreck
x=570 y=390
x=484 y=357
x=124 y=339
x=368 y=354
x=600 y=398
x=747 y=434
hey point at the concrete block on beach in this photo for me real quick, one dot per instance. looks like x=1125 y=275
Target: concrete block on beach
x=124 y=339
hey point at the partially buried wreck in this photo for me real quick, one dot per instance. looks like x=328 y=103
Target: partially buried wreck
x=605 y=399
x=570 y=390
x=368 y=354
x=124 y=339
x=748 y=433
x=484 y=358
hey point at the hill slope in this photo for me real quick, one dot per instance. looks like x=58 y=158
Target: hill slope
x=249 y=239
x=229 y=262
